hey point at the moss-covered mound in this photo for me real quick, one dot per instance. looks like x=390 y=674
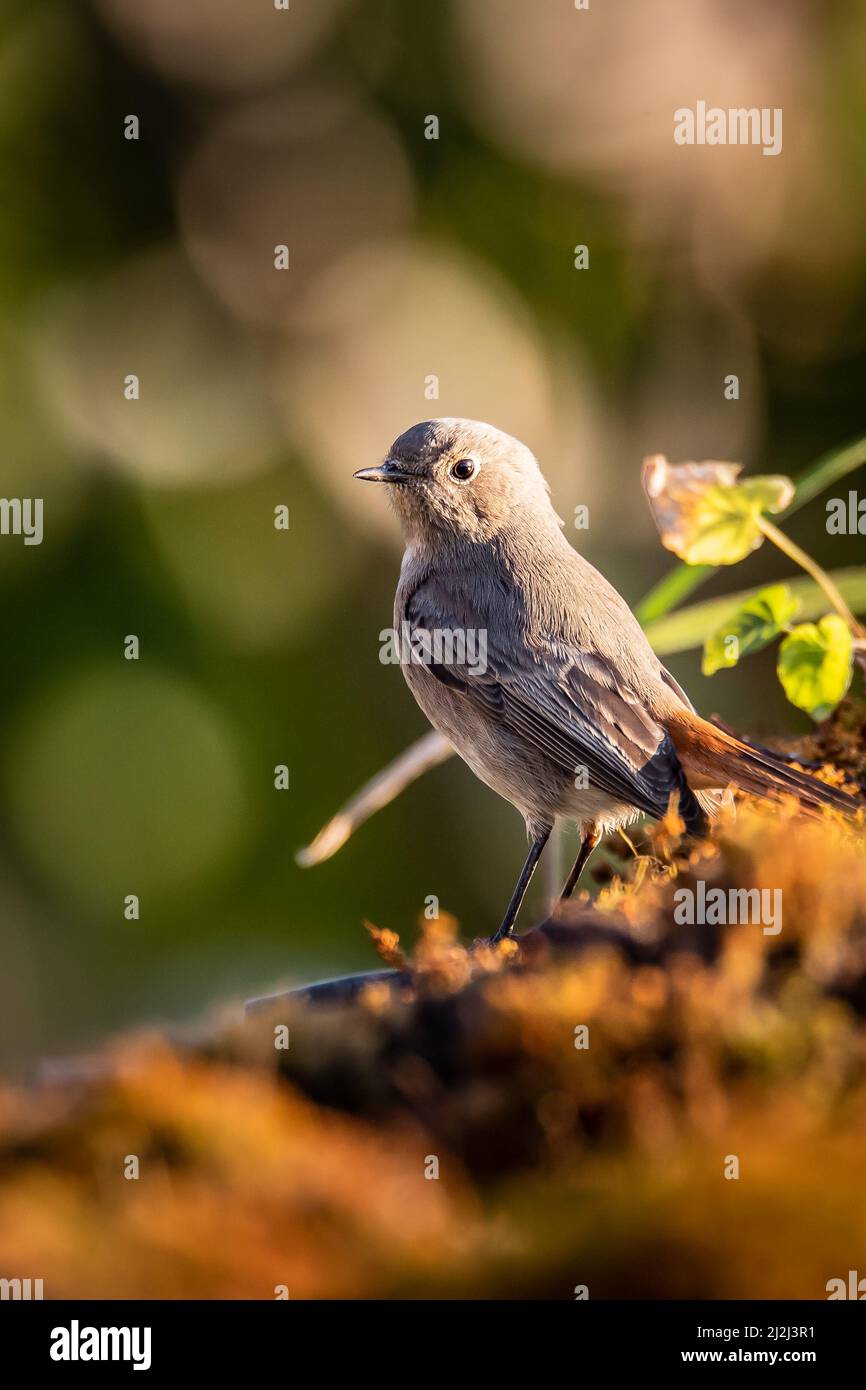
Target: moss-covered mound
x=622 y=1102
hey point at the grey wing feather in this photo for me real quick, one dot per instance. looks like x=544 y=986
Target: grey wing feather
x=568 y=706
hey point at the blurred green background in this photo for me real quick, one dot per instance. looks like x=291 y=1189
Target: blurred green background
x=410 y=258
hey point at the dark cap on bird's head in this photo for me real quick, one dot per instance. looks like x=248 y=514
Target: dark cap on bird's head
x=461 y=476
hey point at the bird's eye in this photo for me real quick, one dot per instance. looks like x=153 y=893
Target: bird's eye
x=464 y=469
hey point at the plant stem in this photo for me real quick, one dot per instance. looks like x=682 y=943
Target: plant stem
x=821 y=577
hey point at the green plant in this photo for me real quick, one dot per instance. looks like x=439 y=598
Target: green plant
x=709 y=517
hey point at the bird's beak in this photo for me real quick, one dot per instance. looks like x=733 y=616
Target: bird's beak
x=387 y=472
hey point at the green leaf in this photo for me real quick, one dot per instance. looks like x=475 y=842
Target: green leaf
x=749 y=628
x=815 y=665
x=687 y=628
x=819 y=475
x=704 y=514
x=726 y=528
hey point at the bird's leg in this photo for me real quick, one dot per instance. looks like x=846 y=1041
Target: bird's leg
x=591 y=837
x=532 y=858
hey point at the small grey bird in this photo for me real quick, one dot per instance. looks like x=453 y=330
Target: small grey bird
x=570 y=713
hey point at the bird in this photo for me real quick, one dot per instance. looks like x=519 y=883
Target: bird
x=554 y=697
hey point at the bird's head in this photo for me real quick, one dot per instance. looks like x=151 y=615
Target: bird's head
x=463 y=478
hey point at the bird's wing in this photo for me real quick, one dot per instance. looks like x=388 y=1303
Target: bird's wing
x=569 y=706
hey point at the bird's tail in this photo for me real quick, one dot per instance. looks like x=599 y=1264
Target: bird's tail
x=711 y=757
